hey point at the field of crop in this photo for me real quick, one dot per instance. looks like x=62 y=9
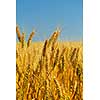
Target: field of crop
x=49 y=70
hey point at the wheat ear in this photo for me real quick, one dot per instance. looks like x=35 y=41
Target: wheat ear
x=30 y=39
x=18 y=33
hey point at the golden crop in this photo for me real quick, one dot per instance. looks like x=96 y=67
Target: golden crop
x=49 y=70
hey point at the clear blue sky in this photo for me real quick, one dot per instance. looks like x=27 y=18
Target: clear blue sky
x=46 y=15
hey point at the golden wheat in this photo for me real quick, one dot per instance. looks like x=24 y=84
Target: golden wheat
x=50 y=70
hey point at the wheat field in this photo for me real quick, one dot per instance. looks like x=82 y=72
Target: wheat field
x=48 y=70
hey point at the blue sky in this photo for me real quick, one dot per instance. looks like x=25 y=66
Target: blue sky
x=46 y=15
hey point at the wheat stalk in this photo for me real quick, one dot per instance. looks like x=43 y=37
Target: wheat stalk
x=53 y=38
x=58 y=87
x=30 y=39
x=18 y=33
x=23 y=39
x=44 y=48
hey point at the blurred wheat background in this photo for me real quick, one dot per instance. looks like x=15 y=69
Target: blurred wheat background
x=49 y=70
